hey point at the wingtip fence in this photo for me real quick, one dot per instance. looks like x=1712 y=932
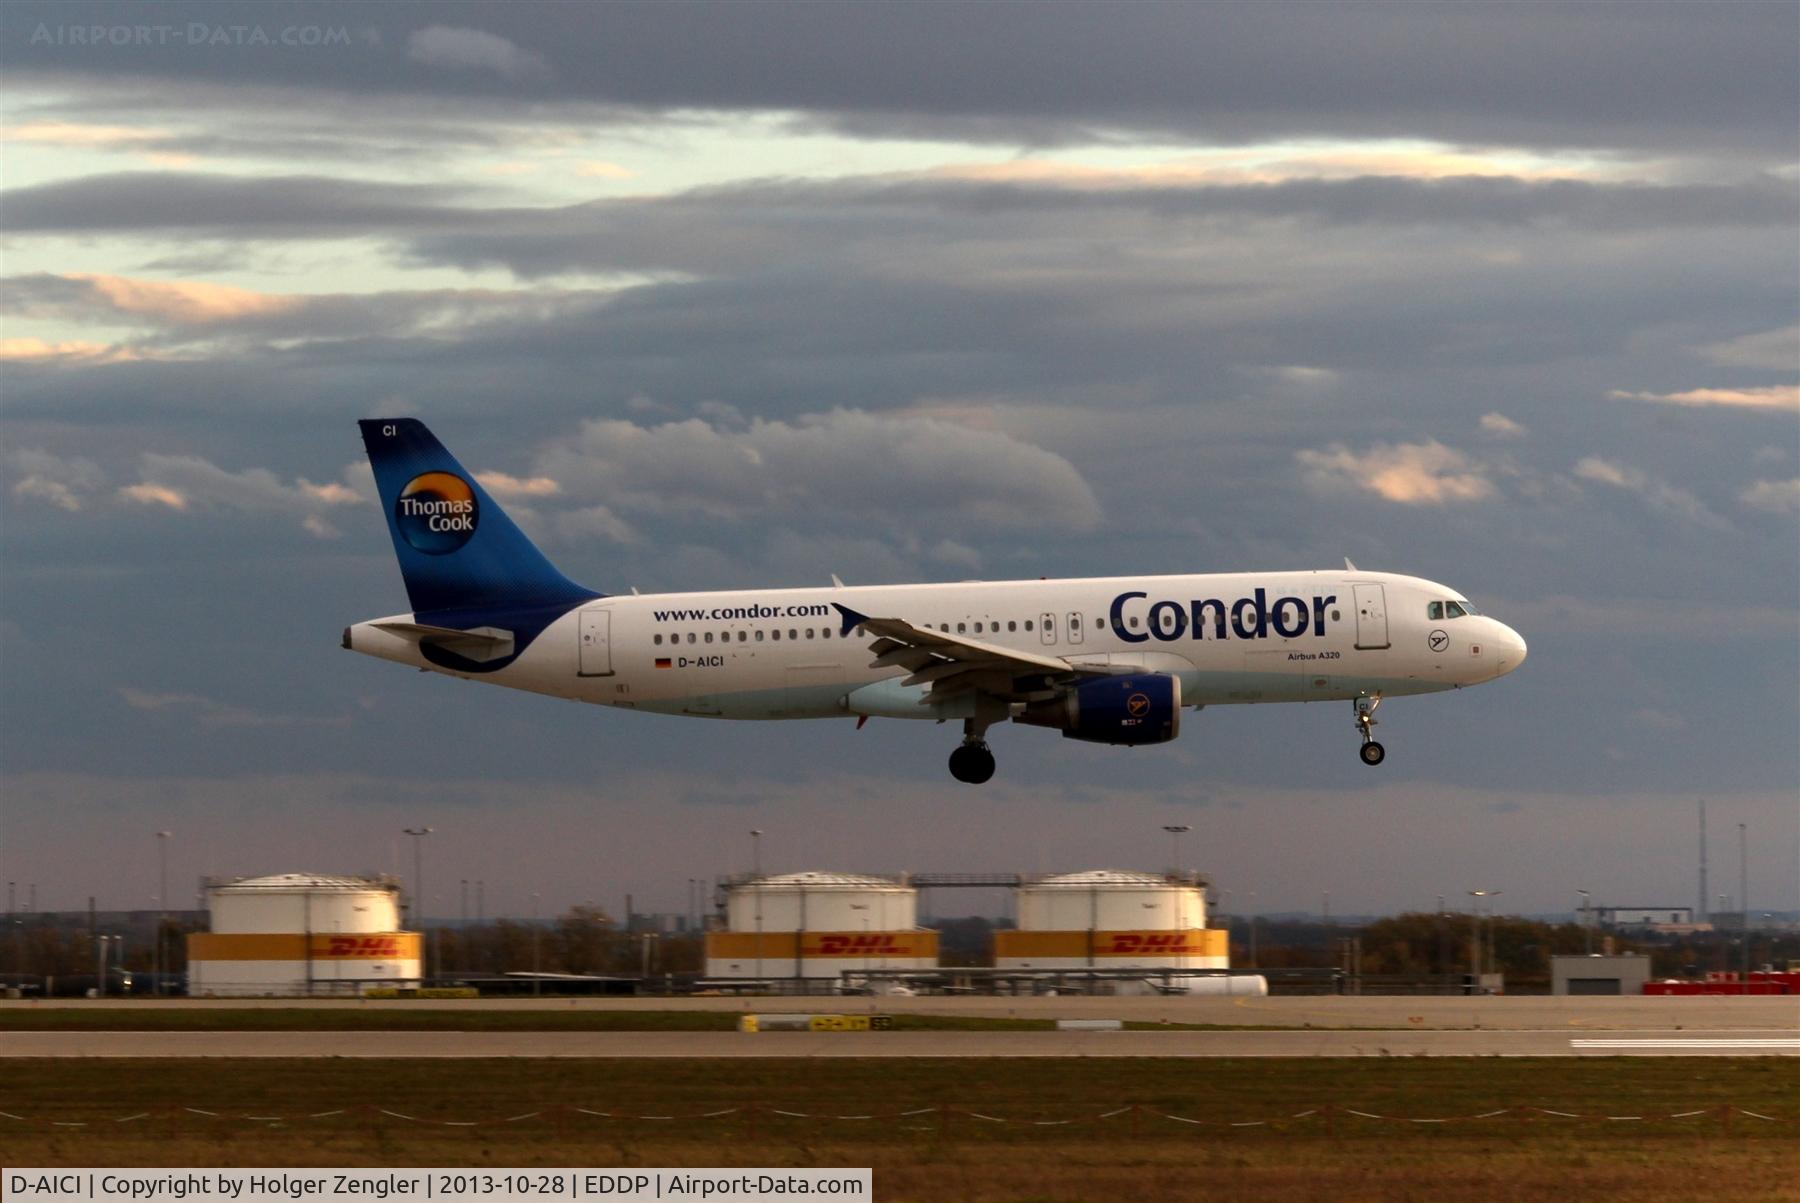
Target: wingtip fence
x=1329 y=1114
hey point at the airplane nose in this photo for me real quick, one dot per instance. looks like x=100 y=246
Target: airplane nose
x=1513 y=644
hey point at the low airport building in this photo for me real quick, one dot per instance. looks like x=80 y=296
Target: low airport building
x=811 y=927
x=1598 y=974
x=300 y=934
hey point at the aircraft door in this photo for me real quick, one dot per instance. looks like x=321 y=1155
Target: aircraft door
x=1047 y=625
x=1076 y=626
x=596 y=643
x=1371 y=617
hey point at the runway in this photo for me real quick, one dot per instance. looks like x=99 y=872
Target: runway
x=1576 y=1015
x=604 y=1045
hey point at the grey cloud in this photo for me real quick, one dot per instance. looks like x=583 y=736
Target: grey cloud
x=1650 y=76
x=457 y=49
x=184 y=482
x=894 y=474
x=1779 y=497
x=176 y=312
x=1658 y=495
x=285 y=206
x=67 y=483
x=728 y=229
x=725 y=230
x=1768 y=350
x=213 y=714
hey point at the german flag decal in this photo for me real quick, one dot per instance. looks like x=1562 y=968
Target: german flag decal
x=664 y=662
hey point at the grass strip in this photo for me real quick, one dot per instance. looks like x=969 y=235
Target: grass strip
x=535 y=1113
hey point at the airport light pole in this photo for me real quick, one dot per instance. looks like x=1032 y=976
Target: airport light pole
x=1176 y=831
x=537 y=979
x=1587 y=926
x=418 y=900
x=1744 y=895
x=1253 y=929
x=756 y=887
x=1475 y=934
x=162 y=903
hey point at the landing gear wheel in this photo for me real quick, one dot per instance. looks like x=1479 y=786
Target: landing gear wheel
x=972 y=763
x=1373 y=753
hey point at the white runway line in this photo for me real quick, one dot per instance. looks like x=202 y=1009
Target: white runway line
x=1664 y=1042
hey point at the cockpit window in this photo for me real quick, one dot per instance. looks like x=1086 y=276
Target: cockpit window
x=1453 y=610
x=1435 y=611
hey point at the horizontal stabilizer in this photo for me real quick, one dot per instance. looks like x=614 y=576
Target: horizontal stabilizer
x=480 y=644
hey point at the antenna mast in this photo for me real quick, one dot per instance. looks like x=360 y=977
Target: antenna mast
x=1700 y=915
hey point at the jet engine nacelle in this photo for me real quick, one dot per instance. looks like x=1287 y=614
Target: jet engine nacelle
x=1135 y=709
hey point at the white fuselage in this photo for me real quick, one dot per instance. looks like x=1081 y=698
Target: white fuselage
x=782 y=653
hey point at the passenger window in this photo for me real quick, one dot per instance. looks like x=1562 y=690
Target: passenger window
x=743 y=636
x=709 y=636
x=1099 y=624
x=1134 y=622
x=1452 y=610
x=809 y=632
x=1012 y=625
x=690 y=636
x=1028 y=624
x=824 y=632
x=978 y=628
x=759 y=636
x=658 y=641
x=1435 y=611
x=962 y=628
x=775 y=634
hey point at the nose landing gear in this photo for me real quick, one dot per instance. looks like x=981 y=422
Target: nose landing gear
x=1372 y=753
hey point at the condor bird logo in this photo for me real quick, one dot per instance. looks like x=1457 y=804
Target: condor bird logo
x=437 y=512
x=1137 y=705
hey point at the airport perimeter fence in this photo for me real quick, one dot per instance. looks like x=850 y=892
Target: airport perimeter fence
x=938 y=1118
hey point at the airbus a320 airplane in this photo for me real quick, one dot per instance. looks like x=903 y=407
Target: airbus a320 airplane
x=1109 y=660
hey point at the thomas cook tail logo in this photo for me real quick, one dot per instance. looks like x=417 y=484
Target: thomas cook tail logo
x=437 y=512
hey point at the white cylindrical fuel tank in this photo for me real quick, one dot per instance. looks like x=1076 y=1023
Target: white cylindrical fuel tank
x=300 y=902
x=1111 y=900
x=1115 y=920
x=302 y=933
x=822 y=902
x=819 y=925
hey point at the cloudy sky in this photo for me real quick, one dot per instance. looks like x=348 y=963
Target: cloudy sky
x=725 y=296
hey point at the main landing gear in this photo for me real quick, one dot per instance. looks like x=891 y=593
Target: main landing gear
x=973 y=762
x=1372 y=752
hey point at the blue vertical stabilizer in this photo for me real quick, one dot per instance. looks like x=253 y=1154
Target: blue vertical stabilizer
x=458 y=550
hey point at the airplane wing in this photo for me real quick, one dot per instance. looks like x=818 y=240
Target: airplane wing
x=954 y=664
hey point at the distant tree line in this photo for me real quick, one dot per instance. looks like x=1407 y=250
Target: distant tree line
x=586 y=940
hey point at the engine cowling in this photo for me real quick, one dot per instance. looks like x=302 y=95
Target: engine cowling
x=1133 y=709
